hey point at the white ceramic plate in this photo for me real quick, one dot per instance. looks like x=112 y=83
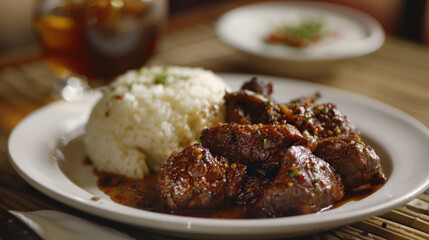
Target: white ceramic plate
x=353 y=33
x=47 y=151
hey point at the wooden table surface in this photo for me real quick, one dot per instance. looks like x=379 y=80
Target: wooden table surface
x=396 y=74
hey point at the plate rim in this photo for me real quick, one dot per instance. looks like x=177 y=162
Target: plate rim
x=368 y=45
x=198 y=226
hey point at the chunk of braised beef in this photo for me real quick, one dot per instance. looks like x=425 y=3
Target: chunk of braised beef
x=256 y=145
x=247 y=107
x=252 y=105
x=321 y=120
x=357 y=163
x=194 y=179
x=258 y=86
x=252 y=189
x=304 y=184
x=235 y=176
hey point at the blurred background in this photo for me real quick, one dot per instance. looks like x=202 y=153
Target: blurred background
x=407 y=19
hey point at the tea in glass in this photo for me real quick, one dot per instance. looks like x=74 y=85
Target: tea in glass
x=99 y=39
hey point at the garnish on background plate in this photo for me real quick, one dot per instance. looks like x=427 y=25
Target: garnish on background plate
x=301 y=35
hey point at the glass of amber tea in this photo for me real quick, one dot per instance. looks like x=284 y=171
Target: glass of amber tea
x=99 y=39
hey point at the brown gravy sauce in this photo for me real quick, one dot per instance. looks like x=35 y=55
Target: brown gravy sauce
x=142 y=194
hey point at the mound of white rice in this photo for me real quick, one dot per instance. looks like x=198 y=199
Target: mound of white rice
x=147 y=114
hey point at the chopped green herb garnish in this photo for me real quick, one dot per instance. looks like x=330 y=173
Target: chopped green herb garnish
x=268 y=103
x=265 y=143
x=160 y=79
x=309 y=29
x=301 y=35
x=130 y=86
x=198 y=139
x=293 y=173
x=317 y=110
x=166 y=75
x=316 y=180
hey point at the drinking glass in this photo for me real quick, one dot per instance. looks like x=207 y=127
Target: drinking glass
x=97 y=40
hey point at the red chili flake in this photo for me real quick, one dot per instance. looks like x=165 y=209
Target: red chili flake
x=119 y=97
x=119 y=196
x=293 y=172
x=114 y=182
